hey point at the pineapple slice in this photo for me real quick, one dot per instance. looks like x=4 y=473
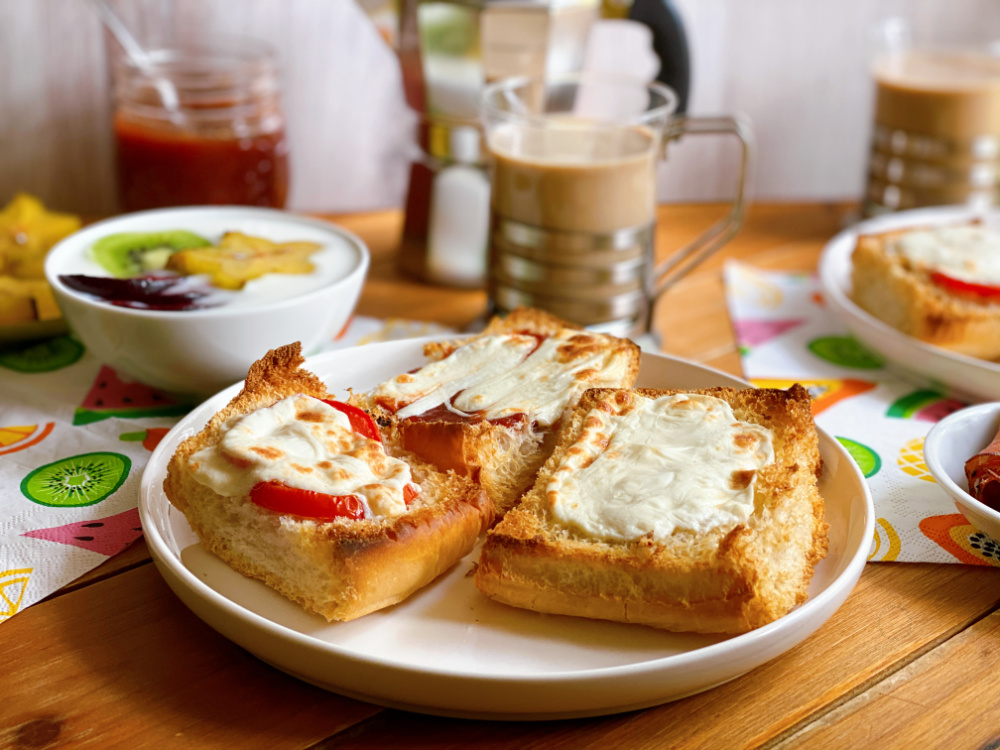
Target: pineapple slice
x=240 y=258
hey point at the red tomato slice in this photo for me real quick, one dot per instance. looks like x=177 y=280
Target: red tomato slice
x=361 y=423
x=964 y=287
x=284 y=499
x=409 y=492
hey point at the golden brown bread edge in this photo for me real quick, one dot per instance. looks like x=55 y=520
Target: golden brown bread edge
x=724 y=581
x=503 y=460
x=906 y=299
x=340 y=569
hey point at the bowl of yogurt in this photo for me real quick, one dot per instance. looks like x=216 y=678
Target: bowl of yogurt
x=194 y=332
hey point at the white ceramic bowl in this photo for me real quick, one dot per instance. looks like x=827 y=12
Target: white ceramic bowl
x=952 y=442
x=202 y=351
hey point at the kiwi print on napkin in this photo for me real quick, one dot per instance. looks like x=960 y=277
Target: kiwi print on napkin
x=75 y=437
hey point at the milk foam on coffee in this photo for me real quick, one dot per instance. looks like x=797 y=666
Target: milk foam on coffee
x=574 y=175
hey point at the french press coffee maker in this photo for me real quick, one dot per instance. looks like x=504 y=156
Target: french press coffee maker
x=450 y=49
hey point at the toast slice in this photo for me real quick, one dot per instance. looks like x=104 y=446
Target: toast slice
x=488 y=407
x=598 y=535
x=900 y=290
x=340 y=568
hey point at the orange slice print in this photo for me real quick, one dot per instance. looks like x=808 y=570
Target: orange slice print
x=13 y=584
x=14 y=439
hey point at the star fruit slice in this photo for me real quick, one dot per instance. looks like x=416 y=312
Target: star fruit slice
x=239 y=258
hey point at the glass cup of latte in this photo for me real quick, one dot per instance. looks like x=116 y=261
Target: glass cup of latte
x=936 y=134
x=573 y=163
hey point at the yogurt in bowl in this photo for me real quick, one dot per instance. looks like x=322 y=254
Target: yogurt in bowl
x=204 y=349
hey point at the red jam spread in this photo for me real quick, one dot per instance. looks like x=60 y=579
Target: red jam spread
x=162 y=166
x=443 y=414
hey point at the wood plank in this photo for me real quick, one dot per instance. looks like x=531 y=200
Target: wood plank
x=944 y=699
x=896 y=613
x=122 y=663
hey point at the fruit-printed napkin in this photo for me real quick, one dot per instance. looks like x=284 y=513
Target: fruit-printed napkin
x=787 y=335
x=74 y=438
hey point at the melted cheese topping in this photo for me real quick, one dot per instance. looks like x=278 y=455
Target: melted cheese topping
x=498 y=376
x=969 y=254
x=676 y=462
x=306 y=444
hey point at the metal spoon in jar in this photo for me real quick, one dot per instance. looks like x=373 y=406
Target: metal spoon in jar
x=141 y=60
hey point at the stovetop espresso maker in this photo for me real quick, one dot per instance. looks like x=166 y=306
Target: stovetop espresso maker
x=449 y=50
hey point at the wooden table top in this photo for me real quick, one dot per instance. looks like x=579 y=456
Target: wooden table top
x=115 y=660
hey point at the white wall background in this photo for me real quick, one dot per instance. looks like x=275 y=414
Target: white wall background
x=796 y=68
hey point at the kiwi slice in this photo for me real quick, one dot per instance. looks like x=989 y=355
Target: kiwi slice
x=76 y=481
x=133 y=253
x=43 y=356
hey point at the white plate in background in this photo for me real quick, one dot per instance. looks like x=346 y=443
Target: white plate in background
x=931 y=366
x=448 y=649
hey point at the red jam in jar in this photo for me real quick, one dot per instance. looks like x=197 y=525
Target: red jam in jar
x=222 y=143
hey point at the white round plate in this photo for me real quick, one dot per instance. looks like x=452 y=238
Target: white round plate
x=953 y=441
x=962 y=376
x=448 y=649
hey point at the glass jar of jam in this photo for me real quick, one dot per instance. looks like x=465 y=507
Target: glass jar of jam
x=223 y=142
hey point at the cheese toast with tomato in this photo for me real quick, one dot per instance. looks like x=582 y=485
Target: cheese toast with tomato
x=294 y=489
x=938 y=284
x=488 y=407
x=684 y=510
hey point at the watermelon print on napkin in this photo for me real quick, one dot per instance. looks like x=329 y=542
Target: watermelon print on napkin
x=929 y=406
x=755 y=331
x=110 y=396
x=106 y=536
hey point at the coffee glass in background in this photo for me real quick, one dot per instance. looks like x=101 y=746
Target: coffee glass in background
x=936 y=134
x=573 y=164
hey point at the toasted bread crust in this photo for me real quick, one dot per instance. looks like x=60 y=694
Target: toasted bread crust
x=340 y=569
x=905 y=298
x=728 y=580
x=502 y=459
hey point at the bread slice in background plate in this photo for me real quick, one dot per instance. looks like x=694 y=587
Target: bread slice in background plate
x=912 y=292
x=339 y=567
x=661 y=508
x=488 y=407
